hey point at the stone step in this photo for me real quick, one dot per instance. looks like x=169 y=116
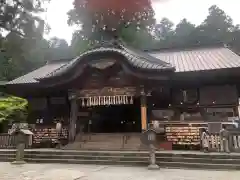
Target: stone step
x=88 y=147
x=133 y=162
x=132 y=145
x=200 y=155
x=104 y=142
x=127 y=158
x=104 y=137
x=76 y=145
x=102 y=146
x=171 y=154
x=101 y=141
x=164 y=159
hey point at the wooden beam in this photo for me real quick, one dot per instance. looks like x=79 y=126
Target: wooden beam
x=143 y=112
x=73 y=117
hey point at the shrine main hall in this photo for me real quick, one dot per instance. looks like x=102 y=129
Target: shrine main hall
x=112 y=90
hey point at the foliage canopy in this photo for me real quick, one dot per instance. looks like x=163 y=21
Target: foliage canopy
x=13 y=108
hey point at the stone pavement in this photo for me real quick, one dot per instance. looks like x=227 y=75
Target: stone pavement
x=98 y=172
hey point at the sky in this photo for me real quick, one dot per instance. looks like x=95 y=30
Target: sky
x=194 y=10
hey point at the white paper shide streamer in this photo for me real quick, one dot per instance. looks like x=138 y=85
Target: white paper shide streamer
x=106 y=100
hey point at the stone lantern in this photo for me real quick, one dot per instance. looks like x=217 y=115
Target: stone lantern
x=21 y=131
x=149 y=139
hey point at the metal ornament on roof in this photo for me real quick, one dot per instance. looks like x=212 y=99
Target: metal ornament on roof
x=106 y=100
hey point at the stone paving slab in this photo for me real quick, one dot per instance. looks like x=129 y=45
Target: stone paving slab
x=98 y=172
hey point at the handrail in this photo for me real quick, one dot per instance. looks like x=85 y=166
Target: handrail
x=215 y=143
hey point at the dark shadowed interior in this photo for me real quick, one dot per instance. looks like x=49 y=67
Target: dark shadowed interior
x=113 y=119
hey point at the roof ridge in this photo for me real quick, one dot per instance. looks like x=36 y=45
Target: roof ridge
x=192 y=48
x=145 y=55
x=59 y=60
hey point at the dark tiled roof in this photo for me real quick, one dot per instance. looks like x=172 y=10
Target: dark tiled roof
x=200 y=59
x=138 y=60
x=38 y=73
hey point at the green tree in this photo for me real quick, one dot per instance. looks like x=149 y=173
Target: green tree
x=183 y=33
x=184 y=29
x=13 y=108
x=101 y=20
x=164 y=33
x=216 y=28
x=23 y=46
x=21 y=16
x=59 y=49
x=19 y=56
x=79 y=43
x=164 y=30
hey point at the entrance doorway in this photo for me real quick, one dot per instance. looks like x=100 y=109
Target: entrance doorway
x=113 y=119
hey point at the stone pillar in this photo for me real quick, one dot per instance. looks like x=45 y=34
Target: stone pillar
x=144 y=111
x=152 y=165
x=73 y=117
x=21 y=141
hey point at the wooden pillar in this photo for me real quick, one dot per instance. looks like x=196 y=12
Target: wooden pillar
x=144 y=111
x=73 y=117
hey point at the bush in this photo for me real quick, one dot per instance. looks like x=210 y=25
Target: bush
x=13 y=108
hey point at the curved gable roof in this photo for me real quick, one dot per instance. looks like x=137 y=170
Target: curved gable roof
x=136 y=58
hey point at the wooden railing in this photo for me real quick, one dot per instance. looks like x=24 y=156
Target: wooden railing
x=216 y=145
x=9 y=142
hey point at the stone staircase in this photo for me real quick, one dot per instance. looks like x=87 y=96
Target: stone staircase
x=133 y=142
x=114 y=141
x=169 y=159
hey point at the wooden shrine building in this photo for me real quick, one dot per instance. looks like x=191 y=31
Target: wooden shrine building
x=113 y=88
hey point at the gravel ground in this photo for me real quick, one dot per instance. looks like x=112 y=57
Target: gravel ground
x=98 y=172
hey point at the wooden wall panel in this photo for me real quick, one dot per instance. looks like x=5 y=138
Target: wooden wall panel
x=219 y=95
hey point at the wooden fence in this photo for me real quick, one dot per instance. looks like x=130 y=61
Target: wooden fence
x=215 y=143
x=9 y=142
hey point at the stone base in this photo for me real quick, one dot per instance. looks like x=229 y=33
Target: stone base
x=153 y=167
x=18 y=162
